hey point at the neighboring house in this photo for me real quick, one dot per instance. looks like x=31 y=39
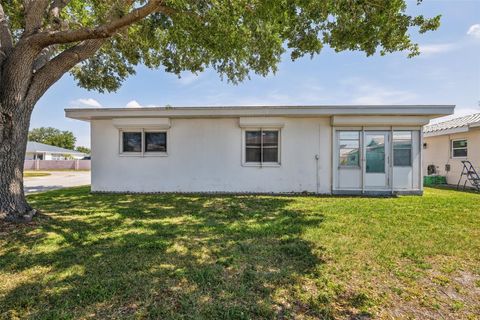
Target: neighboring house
x=447 y=143
x=41 y=151
x=271 y=149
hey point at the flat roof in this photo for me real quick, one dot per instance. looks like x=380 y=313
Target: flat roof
x=88 y=114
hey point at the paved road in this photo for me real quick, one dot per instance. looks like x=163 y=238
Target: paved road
x=57 y=180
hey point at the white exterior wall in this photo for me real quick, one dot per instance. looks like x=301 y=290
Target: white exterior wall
x=438 y=153
x=205 y=155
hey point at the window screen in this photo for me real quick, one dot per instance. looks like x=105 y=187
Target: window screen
x=349 y=148
x=459 y=148
x=155 y=142
x=402 y=148
x=131 y=142
x=261 y=146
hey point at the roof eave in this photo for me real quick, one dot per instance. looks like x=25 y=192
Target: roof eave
x=432 y=111
x=446 y=131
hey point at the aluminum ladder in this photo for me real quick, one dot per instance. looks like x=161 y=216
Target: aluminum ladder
x=471 y=176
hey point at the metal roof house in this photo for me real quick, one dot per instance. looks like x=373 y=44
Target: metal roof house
x=457 y=125
x=41 y=151
x=448 y=143
x=329 y=149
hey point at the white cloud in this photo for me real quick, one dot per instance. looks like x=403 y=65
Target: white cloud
x=429 y=49
x=85 y=103
x=133 y=104
x=474 y=31
x=136 y=104
x=376 y=94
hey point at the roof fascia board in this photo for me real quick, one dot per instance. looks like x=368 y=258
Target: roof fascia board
x=379 y=120
x=279 y=111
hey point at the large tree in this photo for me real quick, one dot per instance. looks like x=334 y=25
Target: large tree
x=52 y=136
x=101 y=41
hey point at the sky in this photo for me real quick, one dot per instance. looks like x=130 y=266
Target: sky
x=447 y=72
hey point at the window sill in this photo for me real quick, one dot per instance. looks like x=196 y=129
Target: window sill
x=261 y=165
x=155 y=154
x=145 y=155
x=130 y=154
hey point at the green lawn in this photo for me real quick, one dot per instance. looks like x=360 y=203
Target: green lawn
x=243 y=257
x=28 y=174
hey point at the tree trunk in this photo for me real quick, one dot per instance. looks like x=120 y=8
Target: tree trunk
x=14 y=124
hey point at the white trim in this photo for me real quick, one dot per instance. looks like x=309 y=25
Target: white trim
x=147 y=123
x=261 y=122
x=142 y=153
x=379 y=120
x=430 y=111
x=451 y=148
x=156 y=153
x=261 y=164
x=411 y=149
x=420 y=152
x=387 y=159
x=120 y=142
x=359 y=139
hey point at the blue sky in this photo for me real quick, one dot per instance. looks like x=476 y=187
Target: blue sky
x=448 y=72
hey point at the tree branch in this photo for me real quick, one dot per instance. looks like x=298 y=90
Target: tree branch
x=54 y=11
x=6 y=41
x=44 y=57
x=54 y=69
x=34 y=13
x=104 y=31
x=56 y=7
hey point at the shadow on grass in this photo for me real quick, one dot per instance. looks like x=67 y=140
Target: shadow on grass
x=164 y=256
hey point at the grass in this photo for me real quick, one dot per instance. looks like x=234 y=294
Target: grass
x=29 y=174
x=243 y=257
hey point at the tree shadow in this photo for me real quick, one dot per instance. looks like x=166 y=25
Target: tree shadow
x=165 y=256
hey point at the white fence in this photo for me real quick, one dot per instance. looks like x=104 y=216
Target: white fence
x=56 y=165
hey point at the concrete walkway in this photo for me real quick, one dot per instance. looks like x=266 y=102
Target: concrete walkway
x=56 y=180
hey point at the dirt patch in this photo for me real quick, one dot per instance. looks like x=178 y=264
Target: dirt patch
x=454 y=296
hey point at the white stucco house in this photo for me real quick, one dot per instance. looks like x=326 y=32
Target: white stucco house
x=448 y=143
x=351 y=149
x=42 y=151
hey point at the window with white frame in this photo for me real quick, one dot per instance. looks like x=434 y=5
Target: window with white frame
x=402 y=148
x=131 y=141
x=155 y=141
x=262 y=146
x=349 y=148
x=459 y=148
x=143 y=142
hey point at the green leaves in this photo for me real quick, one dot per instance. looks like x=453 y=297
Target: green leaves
x=53 y=137
x=236 y=38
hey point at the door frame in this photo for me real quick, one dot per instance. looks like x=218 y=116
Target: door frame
x=387 y=161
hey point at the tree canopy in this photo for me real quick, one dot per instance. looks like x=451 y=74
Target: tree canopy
x=101 y=41
x=83 y=149
x=53 y=137
x=232 y=37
